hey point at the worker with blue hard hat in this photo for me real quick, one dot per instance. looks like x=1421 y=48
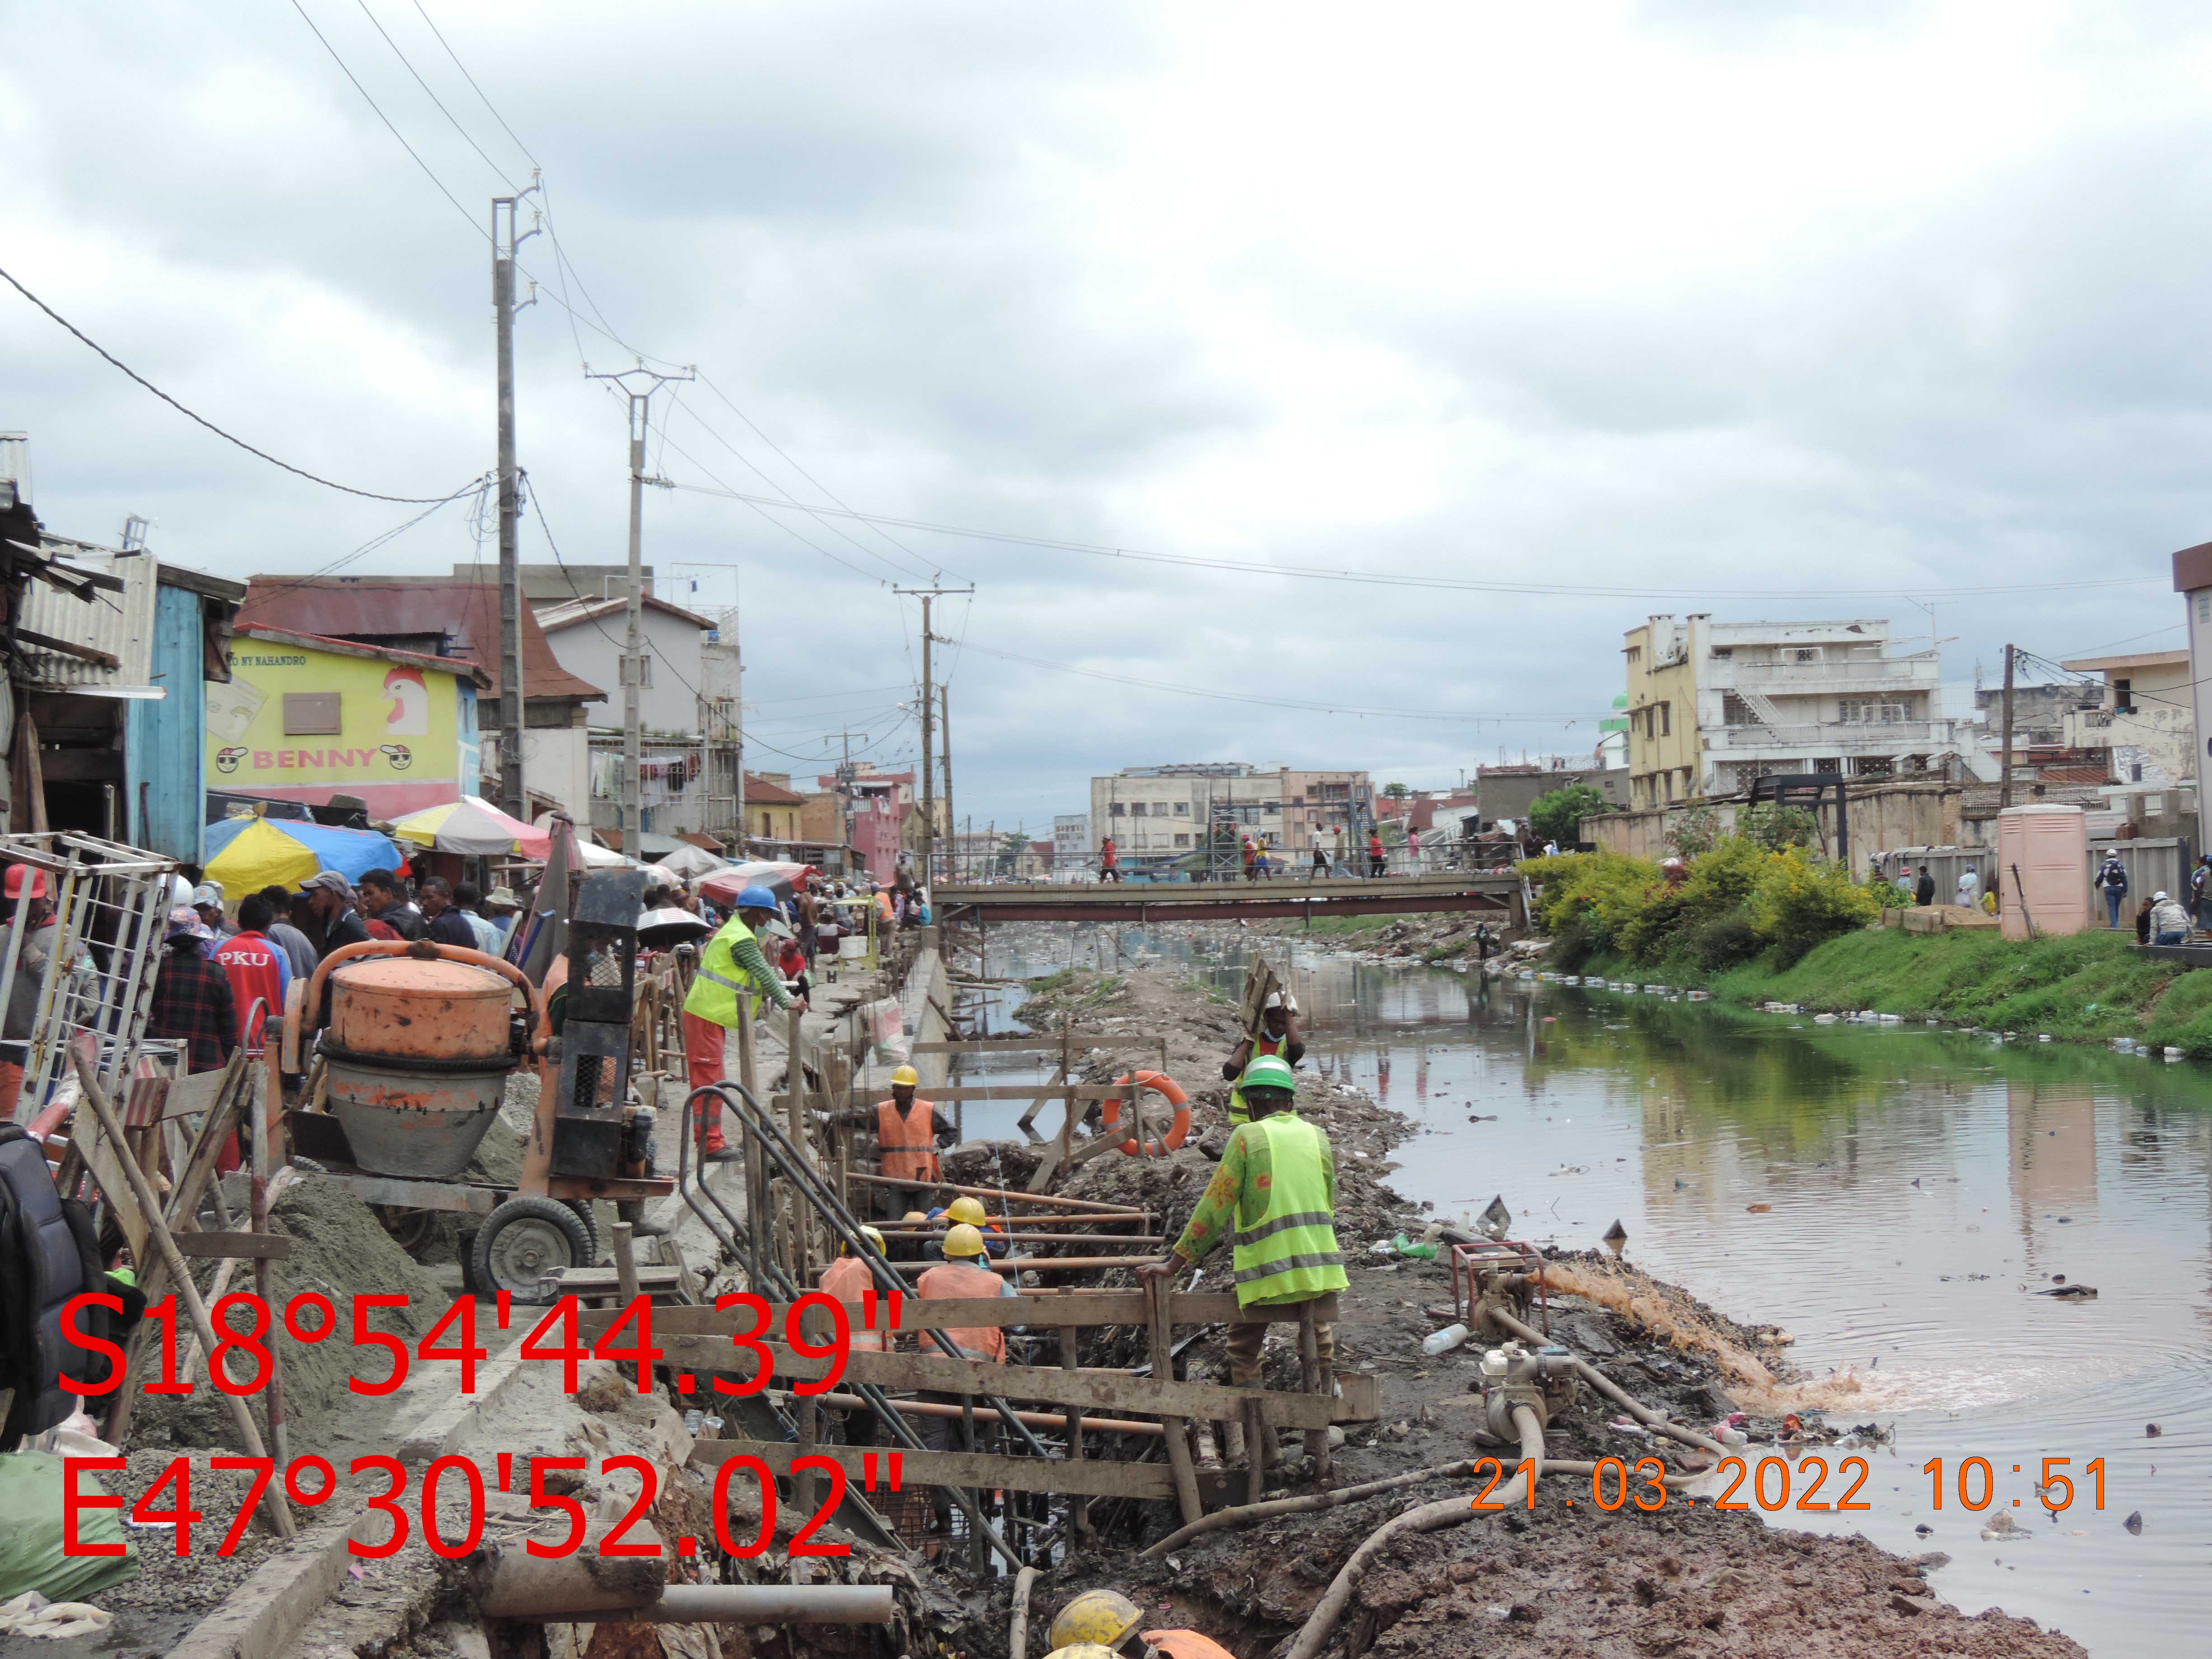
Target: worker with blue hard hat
x=730 y=967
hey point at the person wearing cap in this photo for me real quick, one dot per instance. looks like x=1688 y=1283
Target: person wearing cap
x=961 y=1277
x=501 y=909
x=298 y=950
x=330 y=898
x=207 y=904
x=191 y=1002
x=1277 y=1035
x=1275 y=1195
x=730 y=965
x=40 y=935
x=908 y=1133
x=2169 y=922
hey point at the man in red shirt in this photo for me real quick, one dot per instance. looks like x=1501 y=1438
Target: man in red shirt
x=257 y=969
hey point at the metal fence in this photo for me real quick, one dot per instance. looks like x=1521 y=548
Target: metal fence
x=1945 y=864
x=2153 y=863
x=91 y=971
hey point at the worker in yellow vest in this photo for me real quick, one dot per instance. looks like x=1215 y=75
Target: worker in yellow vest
x=960 y=1277
x=731 y=963
x=1275 y=1193
x=908 y=1133
x=1277 y=1035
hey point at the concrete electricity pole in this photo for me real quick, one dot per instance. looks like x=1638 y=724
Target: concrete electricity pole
x=633 y=659
x=944 y=760
x=928 y=719
x=511 y=799
x=2004 y=785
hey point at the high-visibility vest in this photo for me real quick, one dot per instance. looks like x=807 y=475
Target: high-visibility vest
x=848 y=1279
x=909 y=1142
x=1288 y=1252
x=714 y=987
x=952 y=1281
x=1238 y=1112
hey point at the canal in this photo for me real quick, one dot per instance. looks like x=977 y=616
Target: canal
x=1897 y=1196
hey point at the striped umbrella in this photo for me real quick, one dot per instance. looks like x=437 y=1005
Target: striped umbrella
x=471 y=825
x=247 y=854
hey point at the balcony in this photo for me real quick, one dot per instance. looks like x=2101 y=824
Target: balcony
x=1874 y=675
x=1856 y=737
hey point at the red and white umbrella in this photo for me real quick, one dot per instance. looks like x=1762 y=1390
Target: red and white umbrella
x=471 y=825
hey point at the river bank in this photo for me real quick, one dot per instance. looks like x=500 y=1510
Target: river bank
x=1566 y=1575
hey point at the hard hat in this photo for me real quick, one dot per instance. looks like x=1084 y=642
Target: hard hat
x=1268 y=1072
x=16 y=875
x=906 y=1077
x=1282 y=999
x=874 y=1238
x=757 y=897
x=1082 y=1650
x=1096 y=1616
x=969 y=1210
x=915 y=1217
x=2157 y=898
x=962 y=1240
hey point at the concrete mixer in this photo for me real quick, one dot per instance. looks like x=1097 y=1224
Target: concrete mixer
x=411 y=1065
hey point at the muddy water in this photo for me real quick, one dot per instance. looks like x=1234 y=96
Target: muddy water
x=1895 y=1195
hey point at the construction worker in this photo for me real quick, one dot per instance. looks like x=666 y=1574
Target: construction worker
x=848 y=1279
x=969 y=1208
x=1276 y=1192
x=1278 y=1035
x=960 y=1277
x=908 y=1133
x=731 y=963
x=1100 y=1618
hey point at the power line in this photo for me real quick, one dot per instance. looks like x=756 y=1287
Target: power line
x=1388 y=578
x=473 y=87
x=468 y=137
x=260 y=454
x=369 y=546
x=1279 y=703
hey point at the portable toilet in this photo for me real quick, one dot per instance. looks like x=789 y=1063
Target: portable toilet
x=2042 y=852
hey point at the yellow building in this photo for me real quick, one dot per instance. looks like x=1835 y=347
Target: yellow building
x=1663 y=752
x=304 y=717
x=772 y=810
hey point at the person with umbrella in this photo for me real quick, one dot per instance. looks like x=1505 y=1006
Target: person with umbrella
x=729 y=966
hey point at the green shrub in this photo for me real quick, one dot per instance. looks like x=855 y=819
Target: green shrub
x=1559 y=815
x=1797 y=903
x=1720 y=945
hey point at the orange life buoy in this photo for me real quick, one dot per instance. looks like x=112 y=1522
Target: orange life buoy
x=1169 y=1090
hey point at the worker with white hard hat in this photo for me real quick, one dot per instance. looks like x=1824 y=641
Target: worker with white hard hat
x=1277 y=1035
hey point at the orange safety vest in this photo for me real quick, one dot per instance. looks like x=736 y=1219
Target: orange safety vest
x=848 y=1279
x=909 y=1143
x=956 y=1280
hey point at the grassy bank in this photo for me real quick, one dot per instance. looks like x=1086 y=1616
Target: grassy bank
x=2088 y=988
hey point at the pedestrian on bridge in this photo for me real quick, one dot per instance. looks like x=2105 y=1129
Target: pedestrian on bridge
x=1375 y=862
x=1275 y=1193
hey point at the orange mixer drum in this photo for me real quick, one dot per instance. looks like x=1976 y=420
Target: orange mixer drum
x=400 y=1008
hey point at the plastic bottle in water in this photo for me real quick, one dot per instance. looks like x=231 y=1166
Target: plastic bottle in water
x=1445 y=1341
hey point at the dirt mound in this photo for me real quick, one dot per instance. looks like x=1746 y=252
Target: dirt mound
x=340 y=1251
x=991 y=1163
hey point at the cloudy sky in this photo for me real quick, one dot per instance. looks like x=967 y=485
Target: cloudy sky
x=1725 y=306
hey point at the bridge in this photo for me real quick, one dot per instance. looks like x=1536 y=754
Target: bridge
x=1496 y=891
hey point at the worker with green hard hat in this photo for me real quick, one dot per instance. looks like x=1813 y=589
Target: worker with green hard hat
x=1275 y=1195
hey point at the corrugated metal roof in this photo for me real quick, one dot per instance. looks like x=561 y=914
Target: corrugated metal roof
x=380 y=609
x=555 y=618
x=120 y=624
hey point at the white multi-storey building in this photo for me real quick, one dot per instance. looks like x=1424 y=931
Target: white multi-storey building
x=1712 y=705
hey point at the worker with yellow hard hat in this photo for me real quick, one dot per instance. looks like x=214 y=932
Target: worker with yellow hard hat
x=1099 y=1617
x=961 y=1277
x=908 y=1133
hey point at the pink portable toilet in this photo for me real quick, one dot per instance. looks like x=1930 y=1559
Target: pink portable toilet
x=2043 y=859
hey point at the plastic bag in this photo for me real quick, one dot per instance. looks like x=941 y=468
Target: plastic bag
x=31 y=1557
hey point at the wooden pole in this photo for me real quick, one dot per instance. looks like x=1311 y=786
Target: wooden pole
x=1315 y=1383
x=1078 y=1508
x=625 y=1263
x=1179 y=1461
x=180 y=1274
x=272 y=1398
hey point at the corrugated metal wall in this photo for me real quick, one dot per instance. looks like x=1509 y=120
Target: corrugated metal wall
x=166 y=743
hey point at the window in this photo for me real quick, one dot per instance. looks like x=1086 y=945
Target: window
x=644 y=671
x=1670 y=785
x=1183 y=809
x=1182 y=841
x=1803 y=653
x=2124 y=697
x=1114 y=811
x=1635 y=656
x=1136 y=809
x=1666 y=719
x=1159 y=809
x=310 y=713
x=1724 y=652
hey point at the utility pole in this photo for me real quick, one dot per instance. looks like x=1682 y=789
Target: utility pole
x=633 y=659
x=928 y=723
x=944 y=759
x=511 y=799
x=2004 y=785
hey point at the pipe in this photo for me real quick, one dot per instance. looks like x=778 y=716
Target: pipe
x=1613 y=1391
x=1250 y=1515
x=1052 y=1199
x=1018 y=1627
x=741 y=1604
x=1429 y=1517
x=1056 y=1421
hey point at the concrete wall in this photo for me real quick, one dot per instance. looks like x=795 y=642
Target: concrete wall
x=1882 y=815
x=591 y=650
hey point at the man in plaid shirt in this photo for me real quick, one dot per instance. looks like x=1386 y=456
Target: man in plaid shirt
x=192 y=1003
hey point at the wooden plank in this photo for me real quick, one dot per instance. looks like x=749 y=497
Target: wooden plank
x=273 y=1247
x=105 y=1160
x=1032 y=1045
x=1087 y=1479
x=1097 y=1390
x=1053 y=1086
x=948 y=1313
x=1084 y=1091
x=997 y=1195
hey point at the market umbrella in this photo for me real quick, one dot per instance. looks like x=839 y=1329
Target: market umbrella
x=778 y=877
x=471 y=825
x=247 y=854
x=688 y=860
x=661 y=929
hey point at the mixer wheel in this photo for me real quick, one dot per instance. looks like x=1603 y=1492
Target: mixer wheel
x=582 y=1206
x=524 y=1240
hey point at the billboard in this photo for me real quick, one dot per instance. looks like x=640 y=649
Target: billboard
x=300 y=724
